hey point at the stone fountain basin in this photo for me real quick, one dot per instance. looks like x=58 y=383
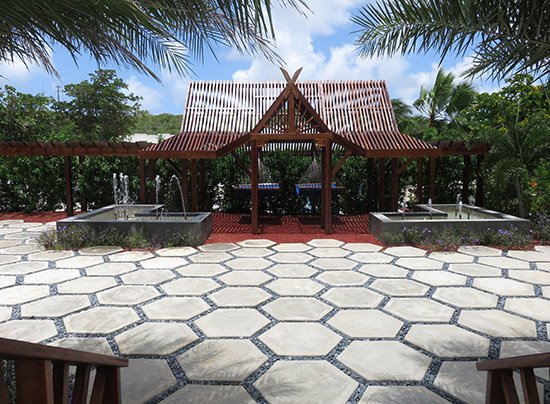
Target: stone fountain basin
x=148 y=220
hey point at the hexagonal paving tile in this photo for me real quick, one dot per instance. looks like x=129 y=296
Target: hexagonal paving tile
x=100 y=250
x=543 y=248
x=127 y=295
x=256 y=243
x=384 y=271
x=175 y=251
x=329 y=252
x=143 y=379
x=362 y=247
x=190 y=286
x=292 y=270
x=385 y=360
x=28 y=330
x=111 y=268
x=147 y=277
x=291 y=247
x=405 y=251
x=536 y=308
x=372 y=258
x=196 y=393
x=86 y=285
x=22 y=268
x=419 y=309
x=239 y=296
x=297 y=308
x=294 y=381
x=543 y=266
x=399 y=395
x=325 y=242
x=155 y=339
x=291 y=258
x=451 y=257
x=353 y=297
x=519 y=348
x=54 y=306
x=82 y=261
x=333 y=264
x=462 y=380
x=175 y=308
x=7 y=280
x=94 y=345
x=252 y=252
x=100 y=320
x=476 y=270
x=300 y=339
x=130 y=256
x=342 y=278
x=419 y=263
x=440 y=278
x=465 y=297
x=504 y=287
x=295 y=287
x=365 y=324
x=163 y=263
x=23 y=293
x=532 y=256
x=221 y=360
x=447 y=340
x=480 y=250
x=530 y=275
x=248 y=263
x=50 y=255
x=50 y=276
x=20 y=249
x=232 y=323
x=206 y=270
x=219 y=247
x=399 y=287
x=9 y=259
x=5 y=244
x=244 y=278
x=504 y=262
x=214 y=257
x=497 y=323
x=5 y=313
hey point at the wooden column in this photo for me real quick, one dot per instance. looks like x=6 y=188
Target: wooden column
x=466 y=177
x=480 y=195
x=370 y=185
x=185 y=182
x=394 y=191
x=151 y=174
x=202 y=185
x=327 y=187
x=381 y=172
x=194 y=198
x=420 y=180
x=34 y=381
x=82 y=196
x=69 y=186
x=254 y=194
x=142 y=182
x=431 y=190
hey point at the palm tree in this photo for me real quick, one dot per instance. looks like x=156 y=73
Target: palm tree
x=134 y=33
x=506 y=35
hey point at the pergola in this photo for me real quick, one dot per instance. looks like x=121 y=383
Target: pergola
x=355 y=117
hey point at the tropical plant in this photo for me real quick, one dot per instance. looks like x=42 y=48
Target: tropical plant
x=165 y=33
x=506 y=36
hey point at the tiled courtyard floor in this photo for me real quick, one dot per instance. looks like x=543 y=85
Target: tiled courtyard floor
x=322 y=322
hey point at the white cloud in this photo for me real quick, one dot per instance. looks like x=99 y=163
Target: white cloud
x=17 y=72
x=151 y=97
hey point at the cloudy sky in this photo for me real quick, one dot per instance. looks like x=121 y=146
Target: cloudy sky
x=322 y=43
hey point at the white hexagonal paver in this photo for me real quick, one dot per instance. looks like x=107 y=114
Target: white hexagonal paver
x=248 y=263
x=447 y=340
x=292 y=270
x=9 y=259
x=175 y=308
x=190 y=286
x=256 y=243
x=5 y=313
x=405 y=251
x=100 y=320
x=362 y=247
x=530 y=275
x=239 y=296
x=476 y=270
x=206 y=270
x=86 y=285
x=82 y=261
x=399 y=287
x=155 y=339
x=55 y=306
x=28 y=330
x=147 y=277
x=143 y=379
x=353 y=297
x=536 y=308
x=419 y=309
x=244 y=278
x=543 y=248
x=325 y=242
x=462 y=380
x=22 y=268
x=232 y=323
x=197 y=393
x=221 y=360
x=252 y=252
x=504 y=287
x=419 y=263
x=372 y=258
x=127 y=295
x=100 y=250
x=465 y=297
x=365 y=324
x=543 y=266
x=219 y=247
x=176 y=251
x=213 y=257
x=532 y=256
x=23 y=293
x=399 y=395
x=504 y=262
x=111 y=268
x=7 y=280
x=342 y=278
x=300 y=339
x=50 y=276
x=497 y=323
x=440 y=278
x=50 y=255
x=130 y=256
x=329 y=252
x=334 y=264
x=20 y=249
x=480 y=251
x=451 y=257
x=291 y=247
x=385 y=360
x=295 y=287
x=163 y=263
x=383 y=271
x=297 y=309
x=93 y=345
x=291 y=258
x=510 y=349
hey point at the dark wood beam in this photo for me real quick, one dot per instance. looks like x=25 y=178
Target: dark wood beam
x=370 y=185
x=403 y=166
x=202 y=185
x=69 y=200
x=254 y=181
x=381 y=180
x=327 y=188
x=341 y=163
x=431 y=189
x=151 y=174
x=466 y=177
x=240 y=163
x=142 y=182
x=173 y=165
x=185 y=181
x=194 y=184
x=420 y=180
x=394 y=188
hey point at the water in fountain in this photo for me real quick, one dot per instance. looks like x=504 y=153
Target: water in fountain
x=121 y=195
x=172 y=178
x=157 y=190
x=430 y=207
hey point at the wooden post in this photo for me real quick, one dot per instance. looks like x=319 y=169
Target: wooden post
x=466 y=170
x=202 y=185
x=480 y=196
x=420 y=180
x=431 y=190
x=394 y=191
x=83 y=201
x=381 y=172
x=34 y=381
x=327 y=187
x=194 y=199
x=254 y=180
x=69 y=186
x=370 y=184
x=185 y=182
x=151 y=174
x=142 y=182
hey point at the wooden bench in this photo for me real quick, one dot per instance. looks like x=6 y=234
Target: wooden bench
x=42 y=374
x=500 y=383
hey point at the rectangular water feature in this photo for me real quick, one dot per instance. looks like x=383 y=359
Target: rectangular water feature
x=444 y=216
x=155 y=225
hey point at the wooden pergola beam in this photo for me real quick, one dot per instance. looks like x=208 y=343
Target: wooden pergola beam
x=327 y=188
x=394 y=184
x=254 y=182
x=381 y=172
x=241 y=163
x=420 y=180
x=69 y=200
x=142 y=182
x=431 y=189
x=341 y=163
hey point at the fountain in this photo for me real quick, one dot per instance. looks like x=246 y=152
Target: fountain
x=430 y=208
x=172 y=178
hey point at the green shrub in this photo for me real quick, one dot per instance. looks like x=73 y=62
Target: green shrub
x=182 y=240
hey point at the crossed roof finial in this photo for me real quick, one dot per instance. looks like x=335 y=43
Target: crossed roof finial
x=291 y=80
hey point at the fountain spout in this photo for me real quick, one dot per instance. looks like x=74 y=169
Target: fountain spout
x=184 y=210
x=157 y=190
x=430 y=207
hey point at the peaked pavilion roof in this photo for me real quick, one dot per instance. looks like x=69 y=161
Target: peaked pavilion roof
x=220 y=116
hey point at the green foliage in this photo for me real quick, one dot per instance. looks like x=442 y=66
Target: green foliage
x=157 y=124
x=183 y=240
x=9 y=378
x=75 y=238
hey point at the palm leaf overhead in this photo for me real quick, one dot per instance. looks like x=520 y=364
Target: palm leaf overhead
x=506 y=35
x=135 y=33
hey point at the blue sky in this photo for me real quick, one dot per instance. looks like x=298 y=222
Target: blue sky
x=322 y=43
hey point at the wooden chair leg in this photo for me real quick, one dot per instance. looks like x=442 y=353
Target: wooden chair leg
x=60 y=383
x=106 y=388
x=34 y=381
x=81 y=384
x=494 y=393
x=509 y=387
x=529 y=385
